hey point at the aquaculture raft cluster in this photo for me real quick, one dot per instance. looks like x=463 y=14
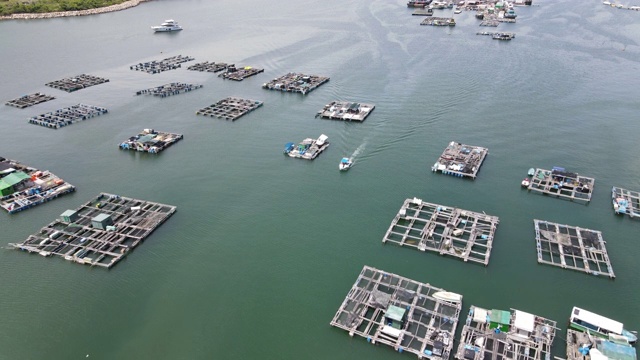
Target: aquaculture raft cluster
x=344 y=110
x=572 y=247
x=150 y=141
x=169 y=89
x=399 y=312
x=208 y=66
x=156 y=67
x=230 y=108
x=563 y=184
x=77 y=82
x=438 y=21
x=461 y=160
x=233 y=73
x=23 y=187
x=498 y=35
x=99 y=233
x=29 y=100
x=500 y=334
x=295 y=82
x=67 y=116
x=449 y=231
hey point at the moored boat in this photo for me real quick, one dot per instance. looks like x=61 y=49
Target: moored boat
x=531 y=172
x=167 y=25
x=448 y=296
x=525 y=182
x=599 y=325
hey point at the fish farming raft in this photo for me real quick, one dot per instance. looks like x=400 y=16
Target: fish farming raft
x=626 y=202
x=231 y=108
x=562 y=184
x=99 y=233
x=498 y=35
x=449 y=231
x=460 y=160
x=501 y=334
x=239 y=74
x=156 y=67
x=67 y=116
x=295 y=82
x=572 y=247
x=29 y=100
x=23 y=187
x=308 y=149
x=345 y=110
x=208 y=67
x=77 y=82
x=169 y=89
x=150 y=141
x=407 y=315
x=438 y=21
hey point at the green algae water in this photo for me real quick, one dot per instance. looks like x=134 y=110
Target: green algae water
x=264 y=248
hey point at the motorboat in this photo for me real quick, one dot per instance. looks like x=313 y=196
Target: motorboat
x=525 y=182
x=345 y=164
x=288 y=147
x=531 y=172
x=448 y=296
x=167 y=25
x=457 y=11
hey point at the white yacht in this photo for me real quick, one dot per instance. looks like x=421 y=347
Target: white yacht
x=167 y=25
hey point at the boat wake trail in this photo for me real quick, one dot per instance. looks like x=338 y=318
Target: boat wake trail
x=358 y=150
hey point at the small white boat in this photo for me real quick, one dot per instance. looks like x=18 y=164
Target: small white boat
x=448 y=296
x=167 y=25
x=531 y=172
x=457 y=11
x=345 y=164
x=525 y=182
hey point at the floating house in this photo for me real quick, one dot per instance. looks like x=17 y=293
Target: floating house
x=308 y=148
x=295 y=82
x=346 y=110
x=562 y=184
x=150 y=141
x=460 y=160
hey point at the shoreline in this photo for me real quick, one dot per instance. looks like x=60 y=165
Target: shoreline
x=28 y=16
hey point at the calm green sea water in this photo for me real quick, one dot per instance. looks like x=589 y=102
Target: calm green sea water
x=264 y=248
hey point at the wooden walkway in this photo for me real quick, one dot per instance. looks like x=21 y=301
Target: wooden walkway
x=231 y=108
x=626 y=202
x=29 y=100
x=524 y=336
x=158 y=66
x=208 y=67
x=67 y=116
x=77 y=82
x=99 y=233
x=448 y=231
x=460 y=160
x=572 y=247
x=165 y=90
x=562 y=184
x=429 y=324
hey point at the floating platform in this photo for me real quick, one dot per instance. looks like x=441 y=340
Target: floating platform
x=239 y=74
x=490 y=23
x=438 y=21
x=150 y=141
x=169 y=89
x=345 y=110
x=407 y=315
x=29 y=100
x=67 y=116
x=308 y=149
x=423 y=12
x=208 y=67
x=99 y=233
x=460 y=160
x=295 y=82
x=498 y=35
x=500 y=334
x=626 y=202
x=572 y=247
x=449 y=231
x=562 y=184
x=23 y=187
x=230 y=108
x=418 y=3
x=77 y=82
x=582 y=346
x=156 y=67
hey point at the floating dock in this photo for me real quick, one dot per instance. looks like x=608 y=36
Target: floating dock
x=500 y=334
x=562 y=184
x=449 y=231
x=239 y=74
x=295 y=82
x=99 y=233
x=230 y=108
x=626 y=202
x=438 y=21
x=77 y=82
x=150 y=141
x=308 y=149
x=169 y=89
x=490 y=23
x=67 y=116
x=346 y=110
x=23 y=187
x=423 y=12
x=461 y=160
x=498 y=35
x=156 y=67
x=29 y=100
x=582 y=346
x=407 y=315
x=571 y=247
x=208 y=67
